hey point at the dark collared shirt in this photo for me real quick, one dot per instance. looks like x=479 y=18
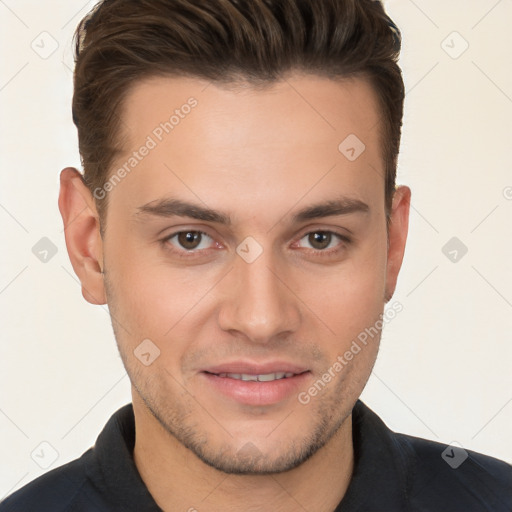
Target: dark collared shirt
x=392 y=473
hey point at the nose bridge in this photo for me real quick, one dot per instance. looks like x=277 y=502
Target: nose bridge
x=257 y=302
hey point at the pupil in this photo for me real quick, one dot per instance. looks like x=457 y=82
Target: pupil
x=320 y=239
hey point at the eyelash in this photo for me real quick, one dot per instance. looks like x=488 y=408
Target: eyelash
x=200 y=252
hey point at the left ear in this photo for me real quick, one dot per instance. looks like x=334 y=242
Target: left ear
x=397 y=236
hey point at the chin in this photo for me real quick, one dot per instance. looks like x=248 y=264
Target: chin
x=260 y=455
x=249 y=460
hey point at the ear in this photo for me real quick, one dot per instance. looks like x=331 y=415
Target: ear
x=82 y=233
x=397 y=236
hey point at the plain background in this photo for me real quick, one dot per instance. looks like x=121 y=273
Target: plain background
x=444 y=369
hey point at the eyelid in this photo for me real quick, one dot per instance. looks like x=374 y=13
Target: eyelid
x=337 y=230
x=187 y=229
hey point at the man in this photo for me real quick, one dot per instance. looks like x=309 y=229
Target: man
x=238 y=213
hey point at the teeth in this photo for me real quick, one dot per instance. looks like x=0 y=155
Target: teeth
x=267 y=377
x=270 y=376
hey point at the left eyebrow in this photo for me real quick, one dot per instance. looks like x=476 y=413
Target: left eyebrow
x=342 y=206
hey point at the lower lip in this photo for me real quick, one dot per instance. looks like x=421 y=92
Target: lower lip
x=255 y=392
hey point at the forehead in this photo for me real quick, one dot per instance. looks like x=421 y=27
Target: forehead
x=297 y=136
x=309 y=103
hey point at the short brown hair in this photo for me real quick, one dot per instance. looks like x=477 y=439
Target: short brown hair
x=257 y=41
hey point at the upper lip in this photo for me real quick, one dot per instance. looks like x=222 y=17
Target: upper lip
x=244 y=367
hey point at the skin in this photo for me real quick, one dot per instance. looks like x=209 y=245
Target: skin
x=259 y=156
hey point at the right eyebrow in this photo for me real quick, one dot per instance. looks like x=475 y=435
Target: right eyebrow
x=170 y=207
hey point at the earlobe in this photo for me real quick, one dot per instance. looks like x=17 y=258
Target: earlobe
x=82 y=234
x=397 y=237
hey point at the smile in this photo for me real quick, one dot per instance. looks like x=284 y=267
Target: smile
x=266 y=377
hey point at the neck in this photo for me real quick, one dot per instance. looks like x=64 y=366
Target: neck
x=178 y=480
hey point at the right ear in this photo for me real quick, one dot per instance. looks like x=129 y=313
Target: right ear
x=82 y=233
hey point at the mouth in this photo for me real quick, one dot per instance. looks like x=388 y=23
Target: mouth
x=252 y=384
x=262 y=377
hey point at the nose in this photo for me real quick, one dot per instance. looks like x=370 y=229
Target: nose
x=258 y=302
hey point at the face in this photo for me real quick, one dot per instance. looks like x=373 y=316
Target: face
x=245 y=250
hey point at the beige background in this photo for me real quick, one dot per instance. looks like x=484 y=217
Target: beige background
x=444 y=371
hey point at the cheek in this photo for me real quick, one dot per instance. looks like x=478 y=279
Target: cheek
x=140 y=292
x=350 y=297
x=153 y=299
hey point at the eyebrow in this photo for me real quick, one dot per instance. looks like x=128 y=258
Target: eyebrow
x=170 y=207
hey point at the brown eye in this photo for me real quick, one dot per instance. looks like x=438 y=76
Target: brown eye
x=320 y=239
x=189 y=239
x=324 y=243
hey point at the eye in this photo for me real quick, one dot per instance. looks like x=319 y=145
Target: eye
x=322 y=240
x=190 y=240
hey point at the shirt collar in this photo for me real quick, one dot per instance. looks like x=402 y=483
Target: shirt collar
x=380 y=477
x=113 y=469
